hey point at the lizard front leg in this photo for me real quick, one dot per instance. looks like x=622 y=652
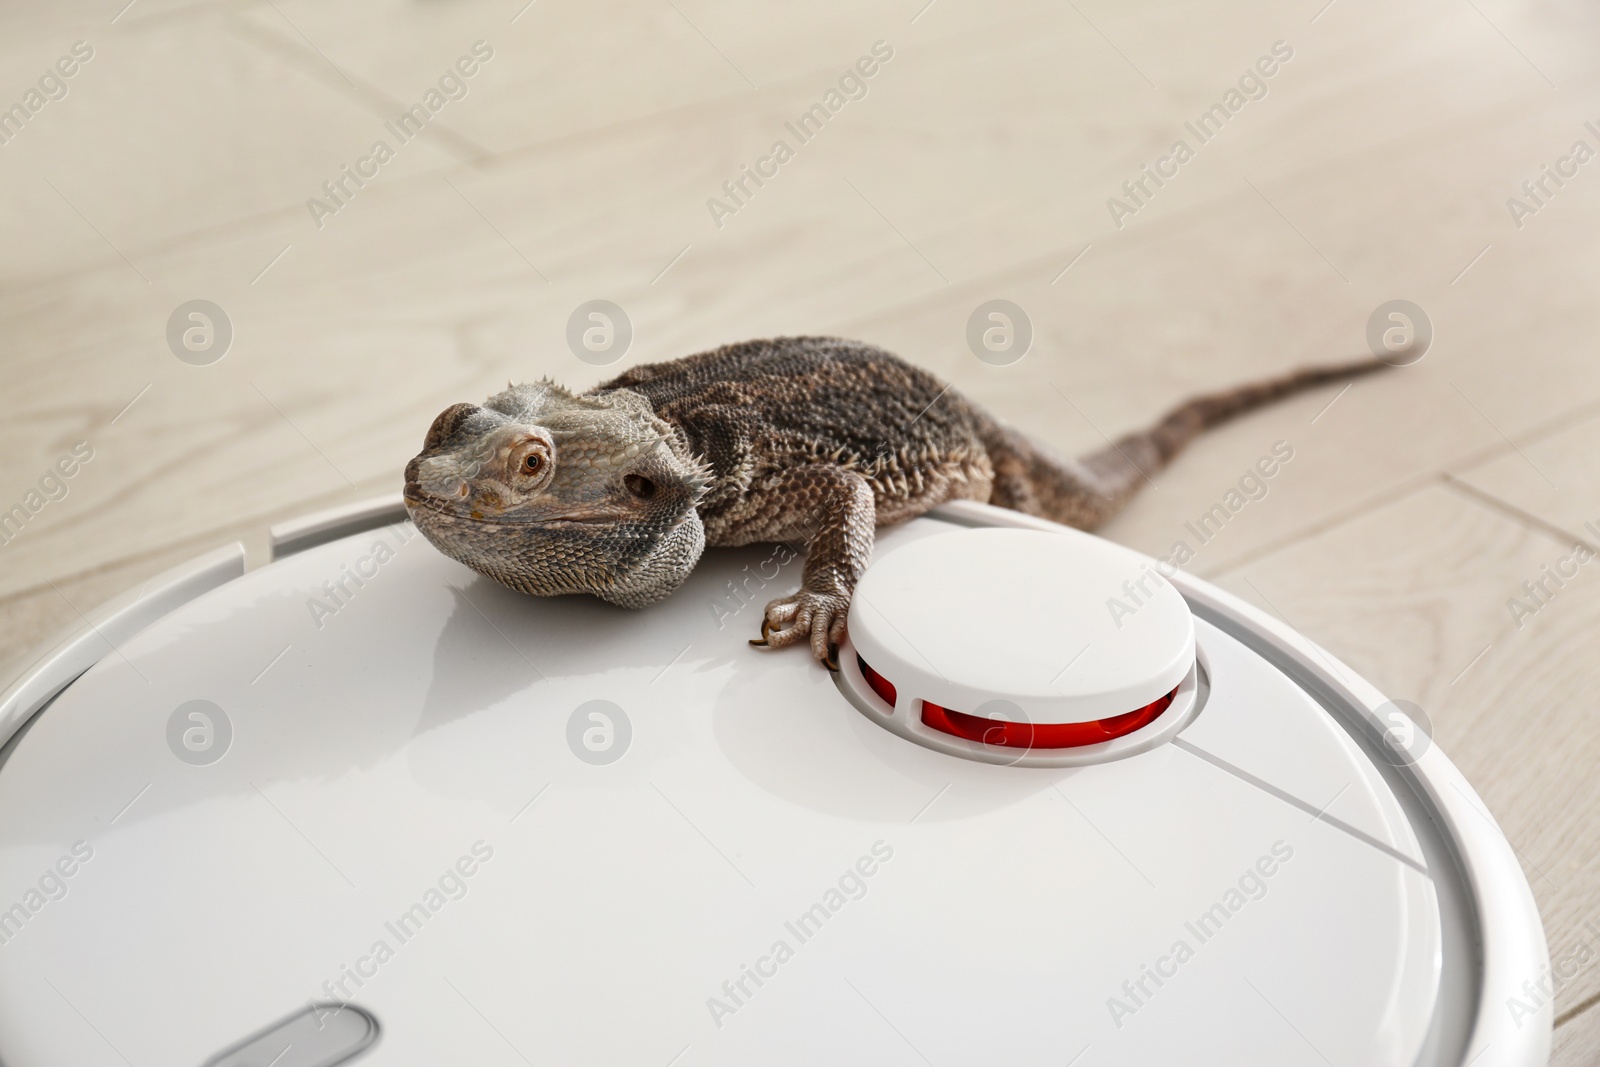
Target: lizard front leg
x=835 y=511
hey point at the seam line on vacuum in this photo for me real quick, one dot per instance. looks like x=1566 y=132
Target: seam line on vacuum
x=1289 y=798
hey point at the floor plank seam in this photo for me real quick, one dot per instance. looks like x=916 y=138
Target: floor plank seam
x=371 y=98
x=1443 y=473
x=1196 y=213
x=1564 y=537
x=1338 y=518
x=1539 y=431
x=1577 y=1009
x=489 y=161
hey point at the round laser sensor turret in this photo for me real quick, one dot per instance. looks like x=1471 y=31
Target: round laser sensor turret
x=1021 y=647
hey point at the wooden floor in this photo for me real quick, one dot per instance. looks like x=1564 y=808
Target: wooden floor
x=977 y=165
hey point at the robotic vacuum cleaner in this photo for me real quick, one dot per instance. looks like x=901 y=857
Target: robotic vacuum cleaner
x=1056 y=807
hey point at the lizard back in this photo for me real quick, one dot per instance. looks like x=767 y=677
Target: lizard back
x=754 y=409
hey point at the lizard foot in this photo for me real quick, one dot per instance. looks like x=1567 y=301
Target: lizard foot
x=817 y=616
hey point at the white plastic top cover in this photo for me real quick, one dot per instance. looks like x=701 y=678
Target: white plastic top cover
x=515 y=830
x=1066 y=626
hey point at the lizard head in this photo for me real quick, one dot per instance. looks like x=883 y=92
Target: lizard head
x=550 y=493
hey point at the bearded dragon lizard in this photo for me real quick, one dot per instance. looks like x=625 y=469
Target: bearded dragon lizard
x=616 y=491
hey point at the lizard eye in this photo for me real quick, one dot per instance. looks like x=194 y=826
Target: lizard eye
x=531 y=464
x=639 y=486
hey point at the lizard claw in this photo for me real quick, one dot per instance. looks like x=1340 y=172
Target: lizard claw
x=818 y=618
x=766 y=632
x=832 y=660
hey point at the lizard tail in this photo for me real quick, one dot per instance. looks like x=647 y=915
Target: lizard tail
x=1088 y=492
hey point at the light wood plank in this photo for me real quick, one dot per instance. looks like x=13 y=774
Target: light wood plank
x=414 y=279
x=177 y=126
x=1551 y=477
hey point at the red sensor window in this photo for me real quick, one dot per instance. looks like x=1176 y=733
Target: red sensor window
x=1026 y=735
x=1003 y=734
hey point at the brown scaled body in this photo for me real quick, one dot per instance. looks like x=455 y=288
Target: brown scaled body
x=616 y=491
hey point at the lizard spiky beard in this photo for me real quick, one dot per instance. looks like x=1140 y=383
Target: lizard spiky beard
x=616 y=491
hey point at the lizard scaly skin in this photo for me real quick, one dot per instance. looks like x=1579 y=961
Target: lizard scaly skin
x=616 y=491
